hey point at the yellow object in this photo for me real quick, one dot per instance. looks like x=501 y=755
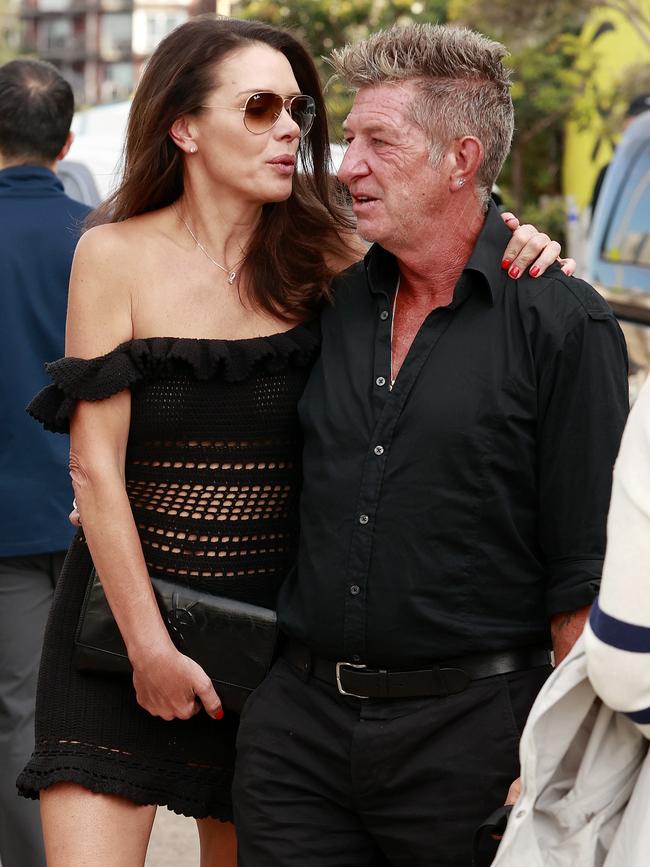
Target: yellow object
x=614 y=44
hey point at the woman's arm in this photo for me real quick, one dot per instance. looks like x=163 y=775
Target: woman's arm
x=99 y=318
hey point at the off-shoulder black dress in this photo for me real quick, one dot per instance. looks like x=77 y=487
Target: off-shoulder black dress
x=213 y=477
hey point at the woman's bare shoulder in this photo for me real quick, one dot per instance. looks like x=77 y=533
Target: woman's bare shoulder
x=123 y=238
x=105 y=270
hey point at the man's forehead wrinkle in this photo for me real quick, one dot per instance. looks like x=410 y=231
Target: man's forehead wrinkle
x=375 y=118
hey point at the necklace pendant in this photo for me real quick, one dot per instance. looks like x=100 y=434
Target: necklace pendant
x=232 y=276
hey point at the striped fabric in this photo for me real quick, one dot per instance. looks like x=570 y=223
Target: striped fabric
x=617 y=637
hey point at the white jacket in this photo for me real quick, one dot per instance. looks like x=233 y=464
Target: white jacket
x=585 y=799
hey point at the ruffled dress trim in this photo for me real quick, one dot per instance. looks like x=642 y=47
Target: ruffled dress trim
x=151 y=358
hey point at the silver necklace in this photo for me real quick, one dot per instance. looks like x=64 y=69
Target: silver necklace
x=392 y=325
x=232 y=274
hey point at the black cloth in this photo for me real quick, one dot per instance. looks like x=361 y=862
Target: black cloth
x=323 y=780
x=456 y=513
x=213 y=476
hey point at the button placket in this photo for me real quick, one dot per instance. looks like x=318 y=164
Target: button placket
x=388 y=413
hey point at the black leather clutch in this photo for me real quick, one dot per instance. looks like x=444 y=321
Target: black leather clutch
x=234 y=642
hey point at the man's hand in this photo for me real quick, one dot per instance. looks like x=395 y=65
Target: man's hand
x=566 y=628
x=528 y=247
x=513 y=792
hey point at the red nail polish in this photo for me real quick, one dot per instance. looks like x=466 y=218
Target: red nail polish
x=514 y=272
x=534 y=271
x=505 y=264
x=219 y=714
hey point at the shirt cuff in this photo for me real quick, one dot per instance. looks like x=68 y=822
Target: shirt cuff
x=572 y=584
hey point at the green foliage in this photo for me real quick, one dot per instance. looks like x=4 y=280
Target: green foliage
x=9 y=32
x=546 y=82
x=327 y=24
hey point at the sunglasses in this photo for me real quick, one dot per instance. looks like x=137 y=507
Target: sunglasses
x=262 y=111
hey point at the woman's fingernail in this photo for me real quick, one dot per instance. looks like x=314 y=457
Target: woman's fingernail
x=534 y=271
x=514 y=272
x=505 y=264
x=219 y=714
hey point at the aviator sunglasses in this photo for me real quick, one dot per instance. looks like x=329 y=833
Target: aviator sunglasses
x=262 y=111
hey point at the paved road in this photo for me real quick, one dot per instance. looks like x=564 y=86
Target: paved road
x=174 y=842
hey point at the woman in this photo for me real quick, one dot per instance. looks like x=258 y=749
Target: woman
x=206 y=274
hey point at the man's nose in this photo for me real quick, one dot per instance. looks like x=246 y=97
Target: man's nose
x=353 y=165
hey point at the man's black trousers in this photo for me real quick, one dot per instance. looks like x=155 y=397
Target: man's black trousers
x=324 y=780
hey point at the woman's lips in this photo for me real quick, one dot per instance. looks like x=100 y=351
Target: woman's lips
x=284 y=165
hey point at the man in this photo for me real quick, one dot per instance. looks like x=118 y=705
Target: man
x=39 y=229
x=460 y=430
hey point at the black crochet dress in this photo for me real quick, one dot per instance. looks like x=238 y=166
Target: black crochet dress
x=213 y=477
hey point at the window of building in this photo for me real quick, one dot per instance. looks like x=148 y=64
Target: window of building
x=115 y=34
x=118 y=81
x=150 y=26
x=56 y=34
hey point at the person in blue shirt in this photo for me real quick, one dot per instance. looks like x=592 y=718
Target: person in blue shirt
x=39 y=228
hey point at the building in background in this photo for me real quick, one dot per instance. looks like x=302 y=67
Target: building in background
x=101 y=45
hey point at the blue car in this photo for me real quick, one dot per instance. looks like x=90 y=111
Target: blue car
x=619 y=244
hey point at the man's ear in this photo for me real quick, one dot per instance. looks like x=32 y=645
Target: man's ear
x=468 y=155
x=66 y=147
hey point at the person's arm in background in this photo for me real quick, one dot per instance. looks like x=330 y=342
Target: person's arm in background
x=617 y=637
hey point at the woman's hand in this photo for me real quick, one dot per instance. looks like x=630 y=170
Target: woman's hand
x=528 y=247
x=170 y=685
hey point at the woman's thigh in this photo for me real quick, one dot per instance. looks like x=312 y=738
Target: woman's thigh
x=85 y=829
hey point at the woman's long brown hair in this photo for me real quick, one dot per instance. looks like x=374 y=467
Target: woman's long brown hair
x=288 y=261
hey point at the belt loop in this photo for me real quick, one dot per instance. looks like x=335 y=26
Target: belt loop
x=304 y=664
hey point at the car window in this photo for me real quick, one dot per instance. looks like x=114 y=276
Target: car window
x=628 y=235
x=78 y=182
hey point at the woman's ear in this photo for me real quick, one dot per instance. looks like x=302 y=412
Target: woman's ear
x=181 y=133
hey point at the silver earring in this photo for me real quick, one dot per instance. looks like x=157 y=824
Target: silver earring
x=461 y=182
x=193 y=149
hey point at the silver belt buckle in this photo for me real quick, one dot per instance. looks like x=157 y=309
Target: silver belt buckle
x=338 y=678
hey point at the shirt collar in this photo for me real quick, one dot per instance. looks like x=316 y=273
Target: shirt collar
x=484 y=261
x=29 y=180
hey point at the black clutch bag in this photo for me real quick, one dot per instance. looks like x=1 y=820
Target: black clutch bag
x=234 y=642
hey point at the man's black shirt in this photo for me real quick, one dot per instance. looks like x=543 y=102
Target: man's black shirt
x=461 y=510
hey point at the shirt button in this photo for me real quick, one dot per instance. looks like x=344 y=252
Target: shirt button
x=379 y=450
x=355 y=589
x=363 y=519
x=384 y=315
x=381 y=380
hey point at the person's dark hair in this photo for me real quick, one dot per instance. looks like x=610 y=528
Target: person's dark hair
x=36 y=108
x=286 y=270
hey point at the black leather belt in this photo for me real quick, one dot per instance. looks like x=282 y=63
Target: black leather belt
x=451 y=676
